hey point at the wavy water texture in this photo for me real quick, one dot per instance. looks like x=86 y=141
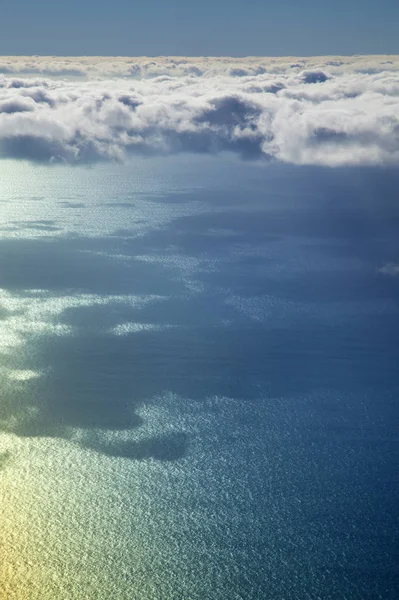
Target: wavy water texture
x=331 y=111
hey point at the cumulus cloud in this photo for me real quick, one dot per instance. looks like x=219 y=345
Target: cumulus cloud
x=327 y=111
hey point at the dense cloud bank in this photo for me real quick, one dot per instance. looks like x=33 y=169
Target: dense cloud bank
x=328 y=111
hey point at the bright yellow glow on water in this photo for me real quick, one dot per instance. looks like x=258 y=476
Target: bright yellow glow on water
x=76 y=525
x=54 y=542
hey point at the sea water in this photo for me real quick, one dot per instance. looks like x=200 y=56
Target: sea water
x=199 y=381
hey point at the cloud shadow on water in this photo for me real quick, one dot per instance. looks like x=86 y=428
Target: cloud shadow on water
x=167 y=447
x=203 y=345
x=4 y=458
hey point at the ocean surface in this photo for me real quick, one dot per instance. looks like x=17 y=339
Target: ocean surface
x=199 y=381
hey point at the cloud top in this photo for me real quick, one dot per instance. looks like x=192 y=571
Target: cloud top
x=326 y=111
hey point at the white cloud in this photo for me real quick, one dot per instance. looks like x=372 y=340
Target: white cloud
x=328 y=111
x=391 y=269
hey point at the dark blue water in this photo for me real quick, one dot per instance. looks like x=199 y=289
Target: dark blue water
x=257 y=306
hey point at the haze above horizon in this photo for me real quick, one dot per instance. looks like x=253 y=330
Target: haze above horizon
x=218 y=28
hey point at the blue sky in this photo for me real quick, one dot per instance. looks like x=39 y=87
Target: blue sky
x=206 y=27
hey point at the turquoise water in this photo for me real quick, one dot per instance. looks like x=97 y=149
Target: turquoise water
x=199 y=381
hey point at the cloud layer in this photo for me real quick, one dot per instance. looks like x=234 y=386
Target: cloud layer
x=327 y=111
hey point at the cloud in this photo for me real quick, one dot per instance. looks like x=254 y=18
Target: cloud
x=326 y=111
x=391 y=269
x=144 y=67
x=15 y=105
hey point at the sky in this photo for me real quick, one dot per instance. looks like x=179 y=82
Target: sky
x=209 y=27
